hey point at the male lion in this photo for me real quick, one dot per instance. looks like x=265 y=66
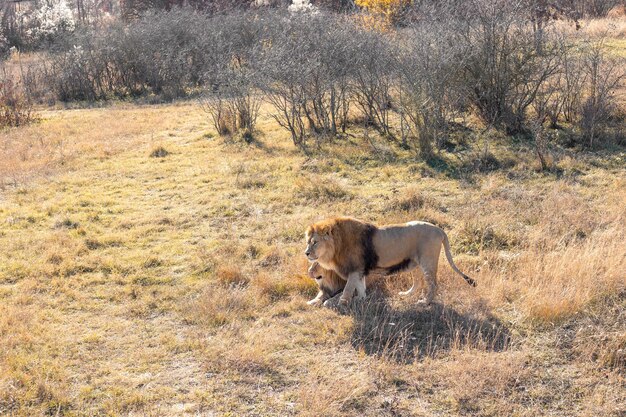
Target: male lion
x=353 y=248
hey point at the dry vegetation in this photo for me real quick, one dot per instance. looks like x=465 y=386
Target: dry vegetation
x=150 y=267
x=156 y=269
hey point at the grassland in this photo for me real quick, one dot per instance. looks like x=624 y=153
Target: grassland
x=176 y=284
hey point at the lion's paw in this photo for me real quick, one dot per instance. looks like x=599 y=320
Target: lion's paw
x=424 y=302
x=314 y=302
x=343 y=306
x=331 y=303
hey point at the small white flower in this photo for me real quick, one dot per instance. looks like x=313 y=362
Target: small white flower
x=301 y=6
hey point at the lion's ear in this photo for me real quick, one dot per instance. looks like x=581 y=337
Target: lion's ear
x=331 y=233
x=325 y=232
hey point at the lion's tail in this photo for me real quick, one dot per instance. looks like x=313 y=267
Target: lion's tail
x=446 y=246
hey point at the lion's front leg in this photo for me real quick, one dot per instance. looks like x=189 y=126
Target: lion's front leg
x=361 y=289
x=318 y=300
x=355 y=281
x=332 y=302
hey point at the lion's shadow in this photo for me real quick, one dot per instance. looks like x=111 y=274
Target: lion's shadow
x=410 y=332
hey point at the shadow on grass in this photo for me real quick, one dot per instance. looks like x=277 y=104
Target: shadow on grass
x=413 y=332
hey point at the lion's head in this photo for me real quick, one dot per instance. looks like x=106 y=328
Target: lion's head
x=327 y=280
x=316 y=272
x=343 y=244
x=320 y=244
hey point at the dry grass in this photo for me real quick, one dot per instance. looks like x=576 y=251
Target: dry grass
x=132 y=285
x=52 y=144
x=614 y=27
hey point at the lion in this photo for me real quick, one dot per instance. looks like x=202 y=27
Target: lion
x=329 y=282
x=353 y=248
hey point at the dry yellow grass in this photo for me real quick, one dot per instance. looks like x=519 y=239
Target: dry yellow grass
x=176 y=285
x=614 y=27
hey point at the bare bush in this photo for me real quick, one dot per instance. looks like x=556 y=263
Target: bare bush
x=306 y=75
x=583 y=91
x=230 y=80
x=490 y=58
x=163 y=54
x=373 y=79
x=221 y=113
x=430 y=94
x=542 y=146
x=596 y=8
x=230 y=96
x=560 y=98
x=604 y=76
x=504 y=69
x=16 y=107
x=233 y=108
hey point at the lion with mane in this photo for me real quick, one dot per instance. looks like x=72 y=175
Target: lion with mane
x=353 y=248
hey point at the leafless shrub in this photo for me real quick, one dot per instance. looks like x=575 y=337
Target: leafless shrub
x=571 y=89
x=231 y=95
x=221 y=114
x=542 y=149
x=326 y=107
x=604 y=76
x=560 y=98
x=159 y=152
x=233 y=114
x=596 y=8
x=504 y=69
x=163 y=54
x=316 y=69
x=307 y=73
x=233 y=108
x=430 y=94
x=16 y=107
x=373 y=79
x=583 y=90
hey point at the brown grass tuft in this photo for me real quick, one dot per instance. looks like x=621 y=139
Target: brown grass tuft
x=320 y=189
x=231 y=275
x=159 y=152
x=279 y=287
x=336 y=397
x=217 y=306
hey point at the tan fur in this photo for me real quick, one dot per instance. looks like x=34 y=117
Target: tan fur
x=344 y=246
x=330 y=283
x=340 y=237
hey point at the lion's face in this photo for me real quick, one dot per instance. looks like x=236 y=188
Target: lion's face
x=316 y=272
x=327 y=280
x=319 y=247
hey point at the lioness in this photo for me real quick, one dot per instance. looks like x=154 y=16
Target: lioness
x=330 y=284
x=353 y=248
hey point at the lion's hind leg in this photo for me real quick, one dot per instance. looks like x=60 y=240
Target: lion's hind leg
x=410 y=268
x=429 y=269
x=410 y=290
